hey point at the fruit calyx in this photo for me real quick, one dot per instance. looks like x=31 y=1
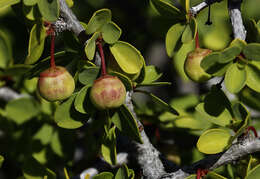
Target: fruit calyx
x=108 y=92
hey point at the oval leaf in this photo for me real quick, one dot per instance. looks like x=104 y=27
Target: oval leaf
x=229 y=54
x=180 y=56
x=111 y=32
x=90 y=47
x=189 y=31
x=128 y=57
x=173 y=37
x=213 y=141
x=63 y=115
x=152 y=73
x=122 y=173
x=98 y=19
x=252 y=51
x=235 y=78
x=126 y=123
x=165 y=8
x=80 y=100
x=108 y=147
x=22 y=109
x=89 y=75
x=36 y=43
x=253 y=77
x=50 y=9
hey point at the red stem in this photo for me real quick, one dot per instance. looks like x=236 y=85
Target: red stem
x=101 y=52
x=52 y=50
x=197 y=40
x=198 y=173
x=251 y=128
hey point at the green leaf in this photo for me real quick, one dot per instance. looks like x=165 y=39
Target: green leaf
x=251 y=98
x=98 y=19
x=240 y=111
x=111 y=32
x=32 y=169
x=213 y=141
x=252 y=51
x=80 y=103
x=126 y=123
x=235 y=78
x=17 y=70
x=244 y=114
x=152 y=73
x=90 y=47
x=108 y=146
x=56 y=144
x=6 y=50
x=22 y=109
x=104 y=175
x=1 y=160
x=189 y=31
x=89 y=75
x=185 y=5
x=30 y=2
x=211 y=64
x=193 y=176
x=64 y=115
x=6 y=3
x=188 y=122
x=254 y=173
x=122 y=173
x=216 y=107
x=50 y=9
x=231 y=52
x=44 y=134
x=165 y=8
x=161 y=103
x=36 y=43
x=253 y=77
x=180 y=56
x=173 y=36
x=127 y=56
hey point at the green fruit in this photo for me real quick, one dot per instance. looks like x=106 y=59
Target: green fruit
x=55 y=84
x=192 y=66
x=108 y=92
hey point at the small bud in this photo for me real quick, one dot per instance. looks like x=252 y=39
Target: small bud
x=108 y=92
x=55 y=84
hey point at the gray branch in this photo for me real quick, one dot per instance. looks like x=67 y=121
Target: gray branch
x=8 y=94
x=196 y=9
x=147 y=155
x=239 y=30
x=71 y=20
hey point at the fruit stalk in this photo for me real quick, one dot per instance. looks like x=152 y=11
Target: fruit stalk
x=197 y=40
x=102 y=56
x=52 y=50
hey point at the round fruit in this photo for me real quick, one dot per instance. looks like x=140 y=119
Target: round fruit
x=108 y=92
x=192 y=65
x=55 y=84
